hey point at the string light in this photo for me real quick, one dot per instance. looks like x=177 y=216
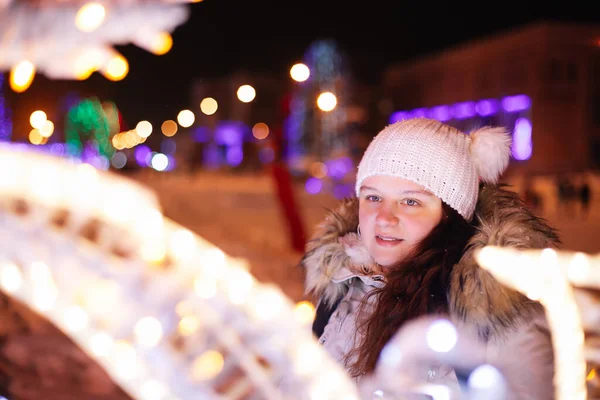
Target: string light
x=170 y=327
x=548 y=275
x=93 y=31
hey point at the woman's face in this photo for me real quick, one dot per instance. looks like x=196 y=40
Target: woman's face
x=394 y=215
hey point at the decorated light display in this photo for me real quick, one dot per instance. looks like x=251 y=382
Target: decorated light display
x=167 y=314
x=419 y=349
x=513 y=111
x=87 y=125
x=313 y=133
x=548 y=276
x=71 y=39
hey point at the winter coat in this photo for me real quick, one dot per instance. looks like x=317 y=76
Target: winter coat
x=339 y=272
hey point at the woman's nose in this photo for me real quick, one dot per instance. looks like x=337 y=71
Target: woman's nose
x=386 y=217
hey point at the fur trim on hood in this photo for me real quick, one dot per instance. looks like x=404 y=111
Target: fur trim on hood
x=474 y=296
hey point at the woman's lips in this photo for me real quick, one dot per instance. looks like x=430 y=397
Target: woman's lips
x=387 y=241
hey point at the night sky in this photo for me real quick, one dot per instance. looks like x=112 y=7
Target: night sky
x=222 y=36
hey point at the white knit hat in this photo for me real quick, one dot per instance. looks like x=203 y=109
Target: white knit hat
x=442 y=159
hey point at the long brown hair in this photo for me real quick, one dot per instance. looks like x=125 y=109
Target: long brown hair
x=418 y=285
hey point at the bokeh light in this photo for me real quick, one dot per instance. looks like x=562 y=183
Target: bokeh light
x=246 y=93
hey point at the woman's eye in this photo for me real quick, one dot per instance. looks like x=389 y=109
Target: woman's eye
x=411 y=202
x=372 y=198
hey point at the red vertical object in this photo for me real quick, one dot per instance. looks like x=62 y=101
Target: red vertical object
x=283 y=183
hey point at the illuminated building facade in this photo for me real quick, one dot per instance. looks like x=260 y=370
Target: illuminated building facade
x=542 y=82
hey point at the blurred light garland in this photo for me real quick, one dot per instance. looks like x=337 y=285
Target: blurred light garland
x=44 y=35
x=548 y=276
x=167 y=314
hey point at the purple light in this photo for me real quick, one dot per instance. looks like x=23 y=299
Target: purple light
x=229 y=133
x=516 y=103
x=399 y=116
x=211 y=156
x=168 y=146
x=418 y=113
x=234 y=155
x=90 y=151
x=58 y=149
x=441 y=113
x=142 y=152
x=172 y=164
x=99 y=162
x=266 y=155
x=201 y=134
x=5 y=123
x=313 y=185
x=464 y=110
x=486 y=107
x=522 y=147
x=340 y=191
x=338 y=168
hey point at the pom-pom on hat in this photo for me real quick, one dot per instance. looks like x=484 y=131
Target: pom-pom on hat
x=442 y=159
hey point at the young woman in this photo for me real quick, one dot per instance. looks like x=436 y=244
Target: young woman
x=427 y=198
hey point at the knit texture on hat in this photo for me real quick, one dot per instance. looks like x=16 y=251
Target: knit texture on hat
x=438 y=157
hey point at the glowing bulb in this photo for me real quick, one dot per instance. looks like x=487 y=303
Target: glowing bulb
x=246 y=93
x=75 y=318
x=209 y=106
x=11 y=278
x=300 y=72
x=326 y=101
x=143 y=129
x=21 y=76
x=148 y=331
x=117 y=68
x=441 y=336
x=186 y=118
x=169 y=128
x=207 y=366
x=100 y=344
x=304 y=312
x=260 y=130
x=485 y=377
x=161 y=43
x=37 y=119
x=90 y=16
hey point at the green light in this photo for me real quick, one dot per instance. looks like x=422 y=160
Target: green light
x=87 y=122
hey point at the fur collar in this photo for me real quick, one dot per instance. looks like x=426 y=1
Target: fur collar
x=475 y=297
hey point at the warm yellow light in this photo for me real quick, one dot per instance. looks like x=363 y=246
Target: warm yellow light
x=161 y=43
x=299 y=72
x=207 y=366
x=304 y=312
x=186 y=118
x=37 y=119
x=117 y=68
x=89 y=61
x=21 y=76
x=188 y=325
x=143 y=129
x=326 y=101
x=545 y=273
x=260 y=130
x=209 y=106
x=47 y=129
x=246 y=93
x=90 y=16
x=148 y=331
x=35 y=137
x=169 y=128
